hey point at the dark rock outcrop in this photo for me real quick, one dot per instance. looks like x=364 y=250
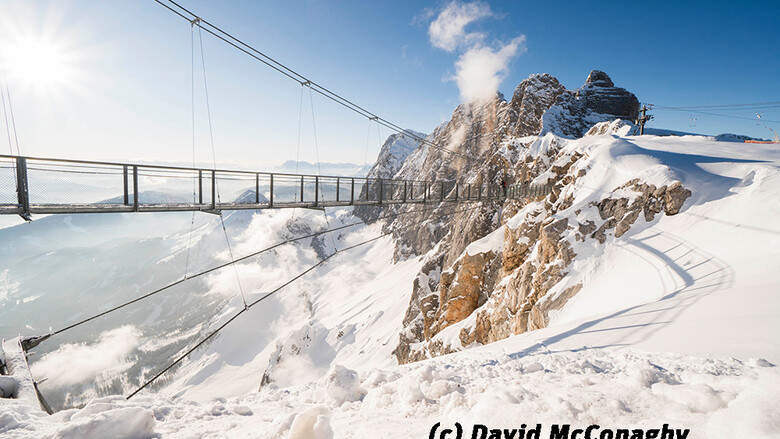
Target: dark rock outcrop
x=598 y=100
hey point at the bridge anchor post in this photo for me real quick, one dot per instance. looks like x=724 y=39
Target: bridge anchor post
x=22 y=188
x=135 y=188
x=125 y=185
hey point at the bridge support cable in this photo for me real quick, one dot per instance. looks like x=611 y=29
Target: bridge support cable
x=292 y=74
x=20 y=175
x=298 y=146
x=368 y=140
x=317 y=192
x=267 y=295
x=192 y=111
x=7 y=122
x=31 y=342
x=6 y=95
x=196 y=22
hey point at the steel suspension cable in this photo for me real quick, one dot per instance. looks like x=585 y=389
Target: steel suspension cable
x=214 y=158
x=7 y=123
x=368 y=140
x=265 y=296
x=292 y=74
x=192 y=108
x=298 y=144
x=33 y=341
x=660 y=107
x=10 y=111
x=319 y=166
x=753 y=104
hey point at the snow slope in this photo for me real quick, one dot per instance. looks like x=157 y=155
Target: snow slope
x=678 y=323
x=702 y=282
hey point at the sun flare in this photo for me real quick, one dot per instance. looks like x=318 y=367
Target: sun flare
x=39 y=64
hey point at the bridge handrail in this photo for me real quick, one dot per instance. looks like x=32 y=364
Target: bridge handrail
x=185 y=168
x=55 y=185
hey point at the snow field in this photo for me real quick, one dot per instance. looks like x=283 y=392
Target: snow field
x=723 y=398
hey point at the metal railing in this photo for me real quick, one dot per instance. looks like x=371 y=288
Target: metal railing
x=31 y=185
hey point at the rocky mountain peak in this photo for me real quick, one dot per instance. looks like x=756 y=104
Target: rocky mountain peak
x=531 y=99
x=598 y=100
x=597 y=78
x=394 y=151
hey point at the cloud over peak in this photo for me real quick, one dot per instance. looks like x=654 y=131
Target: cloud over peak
x=480 y=68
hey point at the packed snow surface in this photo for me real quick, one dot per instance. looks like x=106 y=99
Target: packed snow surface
x=678 y=323
x=724 y=398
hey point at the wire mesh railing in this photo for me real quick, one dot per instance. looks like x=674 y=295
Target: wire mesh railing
x=44 y=185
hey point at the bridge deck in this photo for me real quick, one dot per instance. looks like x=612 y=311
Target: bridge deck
x=30 y=185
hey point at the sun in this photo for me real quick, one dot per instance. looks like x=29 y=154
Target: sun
x=39 y=64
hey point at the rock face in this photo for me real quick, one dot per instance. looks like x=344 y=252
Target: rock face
x=531 y=99
x=598 y=100
x=512 y=289
x=394 y=152
x=620 y=214
x=490 y=295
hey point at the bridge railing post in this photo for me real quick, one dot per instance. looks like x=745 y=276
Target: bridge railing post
x=22 y=185
x=135 y=189
x=456 y=192
x=200 y=186
x=381 y=190
x=316 y=190
x=257 y=188
x=352 y=192
x=338 y=189
x=404 y=197
x=301 y=188
x=271 y=198
x=213 y=190
x=425 y=192
x=125 y=187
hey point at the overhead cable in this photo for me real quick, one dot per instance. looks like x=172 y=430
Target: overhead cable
x=33 y=341
x=263 y=297
x=292 y=74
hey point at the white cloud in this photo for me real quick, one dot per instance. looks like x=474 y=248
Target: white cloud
x=448 y=30
x=480 y=70
x=75 y=363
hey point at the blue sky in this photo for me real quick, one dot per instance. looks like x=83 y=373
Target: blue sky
x=123 y=91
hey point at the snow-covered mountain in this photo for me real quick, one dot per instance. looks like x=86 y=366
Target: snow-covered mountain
x=640 y=292
x=393 y=154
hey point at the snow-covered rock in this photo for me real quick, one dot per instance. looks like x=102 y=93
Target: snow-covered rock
x=394 y=152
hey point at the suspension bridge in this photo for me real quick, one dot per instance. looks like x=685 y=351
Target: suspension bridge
x=30 y=185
